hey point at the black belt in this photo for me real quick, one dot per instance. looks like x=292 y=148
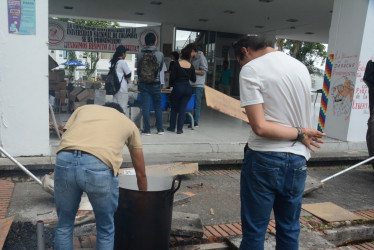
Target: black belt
x=73 y=151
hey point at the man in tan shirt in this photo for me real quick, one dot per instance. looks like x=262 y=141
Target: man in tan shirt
x=88 y=160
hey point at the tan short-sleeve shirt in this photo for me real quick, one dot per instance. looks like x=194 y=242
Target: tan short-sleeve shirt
x=102 y=132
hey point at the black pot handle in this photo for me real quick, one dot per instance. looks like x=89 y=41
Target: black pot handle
x=173 y=189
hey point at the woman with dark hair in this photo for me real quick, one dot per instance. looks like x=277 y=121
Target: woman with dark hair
x=181 y=73
x=174 y=59
x=123 y=72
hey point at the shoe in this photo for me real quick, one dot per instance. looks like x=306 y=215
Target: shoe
x=160 y=131
x=180 y=132
x=146 y=132
x=195 y=125
x=170 y=129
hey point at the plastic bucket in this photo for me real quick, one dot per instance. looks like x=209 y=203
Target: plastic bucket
x=143 y=218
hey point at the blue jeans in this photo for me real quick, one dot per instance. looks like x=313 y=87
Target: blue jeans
x=198 y=91
x=77 y=172
x=148 y=91
x=271 y=180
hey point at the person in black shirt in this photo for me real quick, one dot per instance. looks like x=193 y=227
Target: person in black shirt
x=180 y=74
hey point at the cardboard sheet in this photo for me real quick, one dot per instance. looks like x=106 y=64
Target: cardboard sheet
x=224 y=104
x=4 y=229
x=330 y=212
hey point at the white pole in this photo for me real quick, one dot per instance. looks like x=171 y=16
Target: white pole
x=21 y=166
x=345 y=170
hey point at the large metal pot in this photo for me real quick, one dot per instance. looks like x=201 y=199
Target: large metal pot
x=143 y=218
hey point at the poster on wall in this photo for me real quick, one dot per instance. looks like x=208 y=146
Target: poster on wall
x=21 y=17
x=70 y=36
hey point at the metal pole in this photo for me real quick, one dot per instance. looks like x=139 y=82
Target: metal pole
x=346 y=170
x=21 y=166
x=40 y=235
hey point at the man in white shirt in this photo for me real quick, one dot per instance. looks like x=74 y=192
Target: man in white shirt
x=275 y=92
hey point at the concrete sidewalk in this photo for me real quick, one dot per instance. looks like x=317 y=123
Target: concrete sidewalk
x=219 y=139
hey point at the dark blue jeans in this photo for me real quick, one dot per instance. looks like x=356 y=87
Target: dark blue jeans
x=179 y=98
x=148 y=91
x=271 y=180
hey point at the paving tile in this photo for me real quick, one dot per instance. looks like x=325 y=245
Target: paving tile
x=233 y=228
x=227 y=230
x=213 y=231
x=6 y=190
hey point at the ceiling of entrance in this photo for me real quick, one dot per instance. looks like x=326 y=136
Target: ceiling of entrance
x=307 y=20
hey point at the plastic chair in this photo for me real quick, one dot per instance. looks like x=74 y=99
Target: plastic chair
x=190 y=106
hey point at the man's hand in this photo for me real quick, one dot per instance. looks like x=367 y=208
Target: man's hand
x=137 y=159
x=313 y=138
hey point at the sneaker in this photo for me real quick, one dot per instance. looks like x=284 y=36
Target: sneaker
x=160 y=131
x=195 y=125
x=146 y=132
x=180 y=132
x=170 y=129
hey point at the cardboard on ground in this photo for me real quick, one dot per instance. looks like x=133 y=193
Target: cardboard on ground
x=330 y=212
x=172 y=169
x=224 y=104
x=4 y=229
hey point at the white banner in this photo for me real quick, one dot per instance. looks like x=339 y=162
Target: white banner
x=70 y=36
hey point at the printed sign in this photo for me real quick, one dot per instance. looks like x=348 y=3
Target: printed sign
x=70 y=36
x=21 y=17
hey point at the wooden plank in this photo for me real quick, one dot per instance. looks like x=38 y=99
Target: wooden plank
x=172 y=169
x=224 y=104
x=330 y=212
x=4 y=229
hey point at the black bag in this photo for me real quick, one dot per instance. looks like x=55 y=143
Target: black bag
x=369 y=74
x=112 y=83
x=148 y=67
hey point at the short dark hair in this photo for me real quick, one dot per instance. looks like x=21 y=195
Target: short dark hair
x=192 y=46
x=115 y=106
x=175 y=54
x=186 y=53
x=150 y=39
x=255 y=43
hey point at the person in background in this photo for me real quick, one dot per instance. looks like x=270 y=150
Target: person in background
x=200 y=64
x=150 y=90
x=123 y=72
x=162 y=75
x=180 y=76
x=88 y=159
x=275 y=92
x=226 y=78
x=174 y=59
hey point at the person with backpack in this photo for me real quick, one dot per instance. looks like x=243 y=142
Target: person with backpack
x=122 y=69
x=149 y=63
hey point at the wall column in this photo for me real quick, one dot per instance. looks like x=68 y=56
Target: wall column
x=351 y=45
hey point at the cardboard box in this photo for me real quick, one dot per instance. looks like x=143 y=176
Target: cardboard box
x=57 y=75
x=63 y=93
x=73 y=94
x=57 y=85
x=99 y=97
x=78 y=104
x=86 y=94
x=83 y=95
